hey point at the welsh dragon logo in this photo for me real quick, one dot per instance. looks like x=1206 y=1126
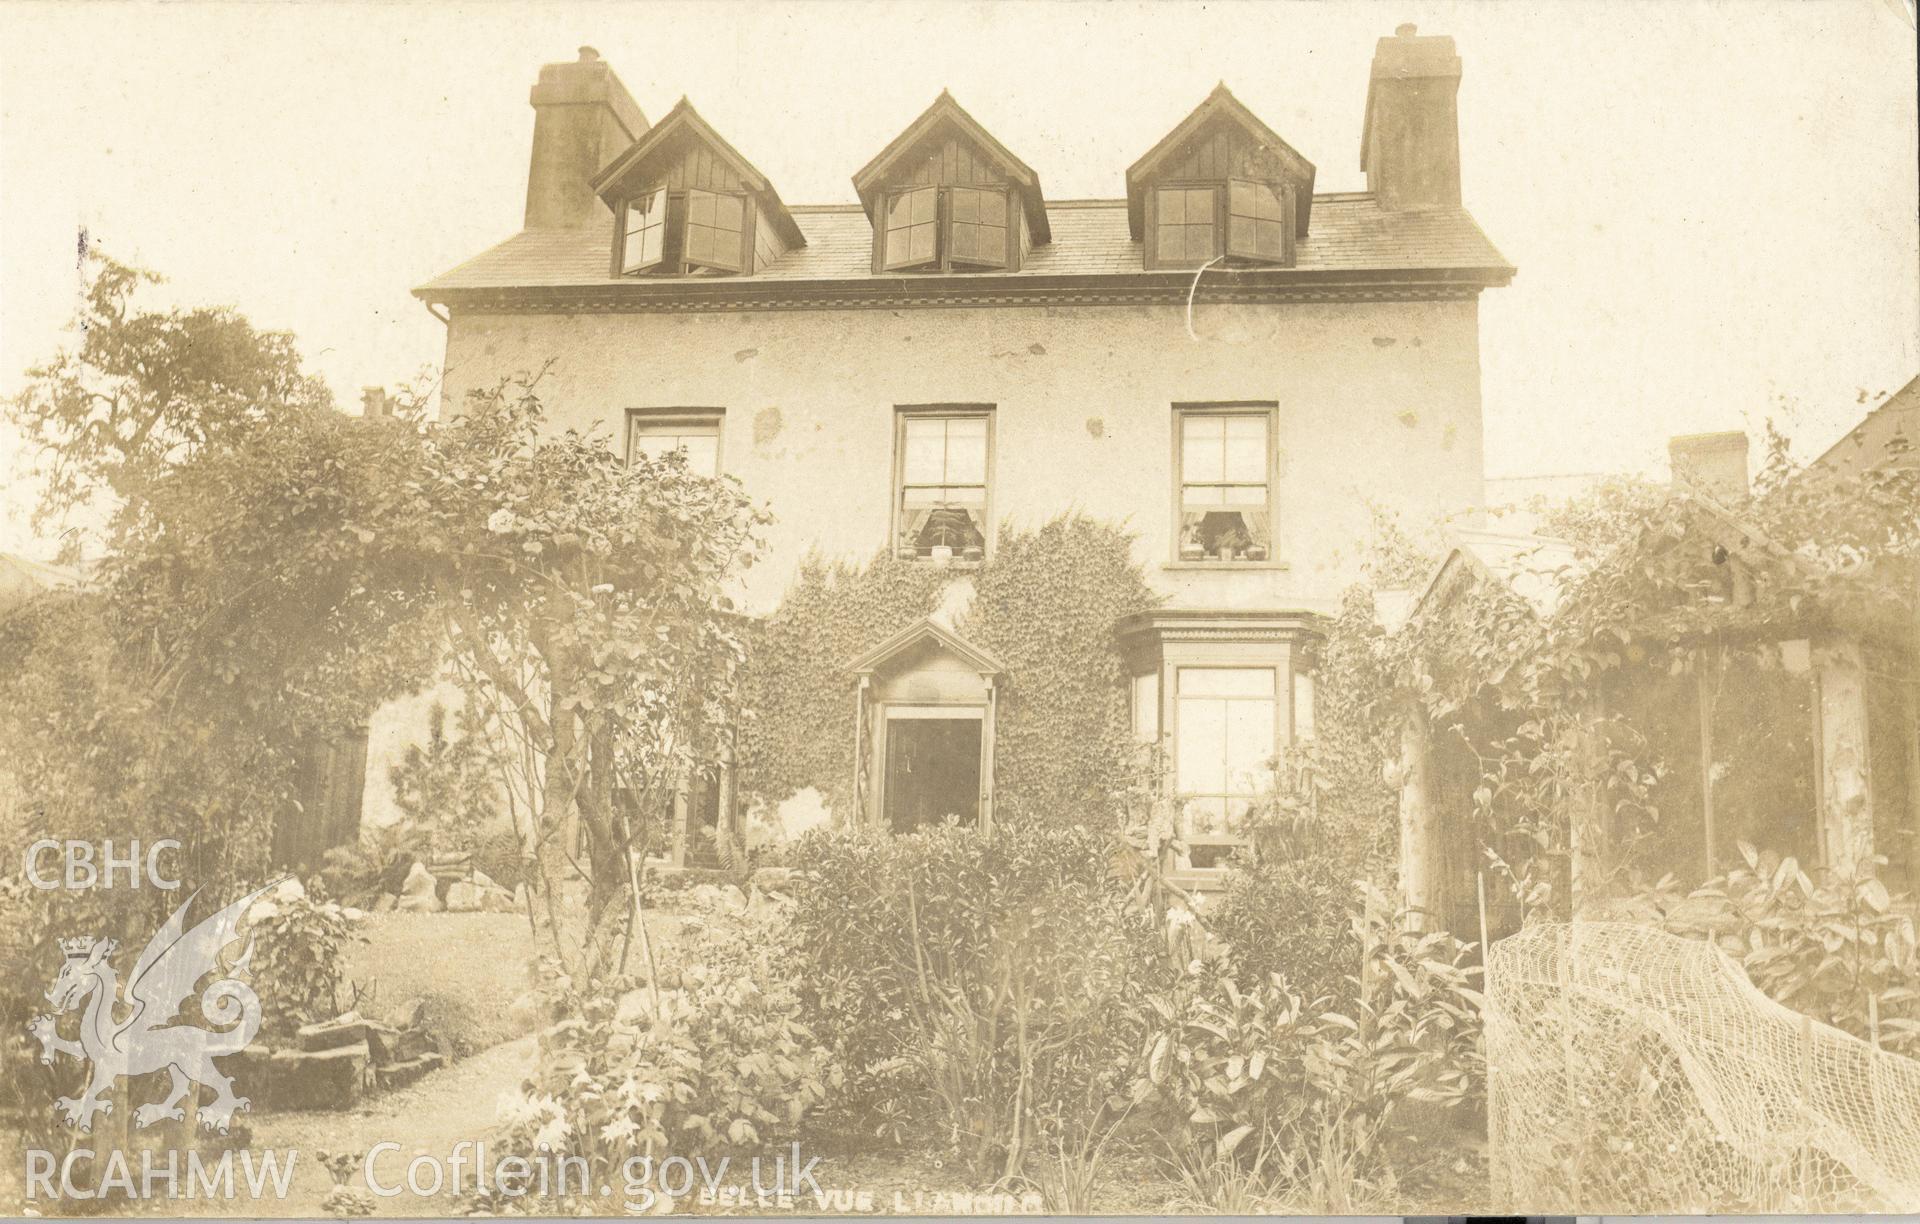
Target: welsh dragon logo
x=163 y=978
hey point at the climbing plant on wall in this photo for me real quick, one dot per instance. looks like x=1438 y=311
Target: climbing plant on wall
x=798 y=698
x=1044 y=603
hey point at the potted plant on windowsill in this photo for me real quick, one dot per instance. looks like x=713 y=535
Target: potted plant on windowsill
x=973 y=554
x=1230 y=543
x=1256 y=552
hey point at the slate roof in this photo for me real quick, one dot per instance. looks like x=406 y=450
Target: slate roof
x=1351 y=233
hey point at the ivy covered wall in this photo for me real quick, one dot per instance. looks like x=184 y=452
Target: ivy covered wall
x=1044 y=602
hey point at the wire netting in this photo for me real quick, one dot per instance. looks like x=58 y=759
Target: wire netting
x=1631 y=1071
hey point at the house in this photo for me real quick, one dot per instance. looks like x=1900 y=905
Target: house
x=1227 y=361
x=1776 y=684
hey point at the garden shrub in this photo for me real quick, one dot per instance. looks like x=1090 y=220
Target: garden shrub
x=1835 y=946
x=715 y=1063
x=1256 y=1079
x=299 y=949
x=1288 y=917
x=359 y=872
x=447 y=787
x=979 y=989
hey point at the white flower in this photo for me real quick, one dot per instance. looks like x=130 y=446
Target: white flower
x=500 y=522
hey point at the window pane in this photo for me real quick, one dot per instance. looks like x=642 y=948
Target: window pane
x=1240 y=198
x=1172 y=206
x=1202 y=451
x=1249 y=744
x=922 y=248
x=925 y=451
x=714 y=235
x=1200 y=205
x=910 y=227
x=1246 y=449
x=1201 y=754
x=1243 y=495
x=966 y=205
x=702 y=444
x=967 y=450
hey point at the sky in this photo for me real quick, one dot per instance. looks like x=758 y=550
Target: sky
x=1712 y=206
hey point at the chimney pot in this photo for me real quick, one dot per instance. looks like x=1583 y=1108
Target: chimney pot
x=1713 y=463
x=1406 y=29
x=588 y=55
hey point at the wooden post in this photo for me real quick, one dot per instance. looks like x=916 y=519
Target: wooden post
x=1844 y=785
x=680 y=806
x=1494 y=1167
x=986 y=757
x=858 y=816
x=1418 y=826
x=1704 y=697
x=1587 y=817
x=729 y=845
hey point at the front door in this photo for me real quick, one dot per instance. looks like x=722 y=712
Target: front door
x=933 y=771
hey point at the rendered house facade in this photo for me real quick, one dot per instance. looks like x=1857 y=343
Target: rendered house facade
x=1226 y=362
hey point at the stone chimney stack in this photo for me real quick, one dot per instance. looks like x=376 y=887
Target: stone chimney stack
x=1410 y=139
x=583 y=118
x=1714 y=463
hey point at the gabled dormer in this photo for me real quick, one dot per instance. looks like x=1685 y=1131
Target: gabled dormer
x=685 y=203
x=1221 y=185
x=945 y=196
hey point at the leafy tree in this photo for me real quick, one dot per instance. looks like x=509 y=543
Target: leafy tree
x=588 y=601
x=145 y=389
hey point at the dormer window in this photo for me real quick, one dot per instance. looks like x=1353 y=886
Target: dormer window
x=1240 y=219
x=943 y=228
x=687 y=203
x=946 y=196
x=675 y=232
x=1222 y=185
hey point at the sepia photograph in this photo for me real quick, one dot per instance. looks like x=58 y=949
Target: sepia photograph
x=959 y=608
